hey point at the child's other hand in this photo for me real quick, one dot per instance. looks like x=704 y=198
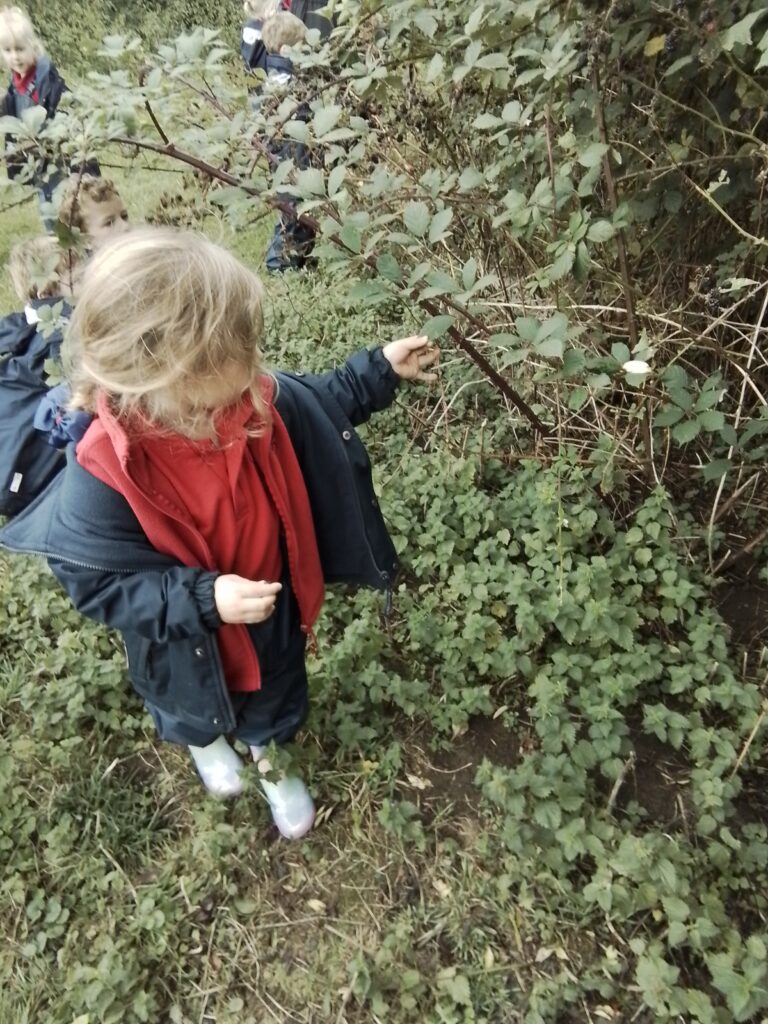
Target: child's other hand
x=240 y=600
x=409 y=356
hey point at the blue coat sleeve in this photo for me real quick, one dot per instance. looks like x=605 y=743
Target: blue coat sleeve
x=365 y=384
x=173 y=604
x=103 y=559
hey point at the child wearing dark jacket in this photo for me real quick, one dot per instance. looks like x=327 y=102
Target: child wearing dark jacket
x=42 y=276
x=292 y=241
x=35 y=82
x=210 y=500
x=251 y=46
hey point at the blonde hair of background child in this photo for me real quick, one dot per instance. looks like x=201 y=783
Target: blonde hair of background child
x=84 y=188
x=260 y=9
x=282 y=29
x=163 y=315
x=17 y=29
x=39 y=269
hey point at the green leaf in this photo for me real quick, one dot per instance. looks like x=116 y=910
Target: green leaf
x=562 y=264
x=436 y=326
x=593 y=154
x=487 y=121
x=655 y=978
x=388 y=267
x=325 y=119
x=620 y=352
x=600 y=231
x=468 y=272
x=297 y=130
x=574 y=362
x=550 y=348
x=440 y=222
x=435 y=67
x=470 y=178
x=668 y=416
x=740 y=34
x=685 y=431
x=416 y=217
x=336 y=178
x=351 y=238
x=310 y=182
x=711 y=419
x=493 y=61
x=425 y=21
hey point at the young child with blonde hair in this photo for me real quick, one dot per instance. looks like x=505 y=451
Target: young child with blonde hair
x=42 y=275
x=211 y=500
x=35 y=82
x=251 y=46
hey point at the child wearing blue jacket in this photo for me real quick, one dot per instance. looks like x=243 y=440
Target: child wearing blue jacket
x=35 y=82
x=210 y=500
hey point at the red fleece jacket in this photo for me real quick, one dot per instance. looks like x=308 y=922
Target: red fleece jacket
x=121 y=461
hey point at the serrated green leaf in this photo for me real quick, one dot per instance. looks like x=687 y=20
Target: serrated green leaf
x=470 y=178
x=325 y=119
x=600 y=231
x=550 y=348
x=336 y=179
x=350 y=236
x=711 y=419
x=439 y=224
x=436 y=326
x=562 y=264
x=593 y=154
x=310 y=182
x=740 y=33
x=668 y=416
x=388 y=267
x=685 y=431
x=483 y=121
x=469 y=273
x=417 y=218
x=620 y=352
x=435 y=68
x=493 y=61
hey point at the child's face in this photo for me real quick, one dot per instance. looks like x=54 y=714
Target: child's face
x=18 y=56
x=102 y=221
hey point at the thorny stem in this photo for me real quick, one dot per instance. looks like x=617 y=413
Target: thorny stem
x=621 y=249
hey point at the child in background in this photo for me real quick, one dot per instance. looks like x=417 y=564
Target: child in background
x=251 y=46
x=93 y=207
x=42 y=277
x=210 y=499
x=34 y=82
x=292 y=242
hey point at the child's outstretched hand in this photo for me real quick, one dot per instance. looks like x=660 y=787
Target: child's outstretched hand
x=241 y=600
x=408 y=357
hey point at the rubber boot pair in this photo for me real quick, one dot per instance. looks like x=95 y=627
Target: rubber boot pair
x=219 y=767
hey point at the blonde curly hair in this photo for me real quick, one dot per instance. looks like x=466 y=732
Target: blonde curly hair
x=16 y=29
x=168 y=325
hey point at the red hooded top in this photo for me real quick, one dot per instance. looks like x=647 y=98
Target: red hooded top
x=219 y=506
